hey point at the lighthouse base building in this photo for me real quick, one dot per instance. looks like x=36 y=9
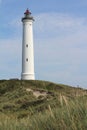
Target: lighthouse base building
x=27 y=47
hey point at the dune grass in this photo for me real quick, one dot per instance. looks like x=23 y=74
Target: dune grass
x=64 y=107
x=71 y=115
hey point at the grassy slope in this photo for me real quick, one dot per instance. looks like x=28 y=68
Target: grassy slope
x=63 y=105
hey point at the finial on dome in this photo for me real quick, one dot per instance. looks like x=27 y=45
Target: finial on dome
x=27 y=12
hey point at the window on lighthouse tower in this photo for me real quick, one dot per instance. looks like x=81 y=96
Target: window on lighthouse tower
x=27 y=59
x=26 y=45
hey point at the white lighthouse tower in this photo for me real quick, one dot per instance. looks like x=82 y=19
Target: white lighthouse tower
x=27 y=47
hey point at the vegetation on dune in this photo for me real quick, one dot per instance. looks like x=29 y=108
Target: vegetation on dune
x=41 y=105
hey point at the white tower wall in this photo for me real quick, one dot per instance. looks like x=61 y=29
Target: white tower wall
x=27 y=50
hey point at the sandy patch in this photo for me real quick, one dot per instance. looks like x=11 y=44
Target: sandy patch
x=37 y=93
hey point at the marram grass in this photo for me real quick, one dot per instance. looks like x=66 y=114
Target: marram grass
x=71 y=115
x=63 y=108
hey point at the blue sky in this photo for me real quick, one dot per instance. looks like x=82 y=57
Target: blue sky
x=60 y=39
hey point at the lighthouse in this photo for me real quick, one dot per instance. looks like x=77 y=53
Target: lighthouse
x=27 y=47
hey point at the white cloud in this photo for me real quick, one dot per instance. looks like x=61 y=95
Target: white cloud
x=15 y=23
x=61 y=48
x=53 y=21
x=10 y=58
